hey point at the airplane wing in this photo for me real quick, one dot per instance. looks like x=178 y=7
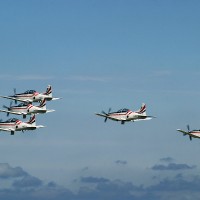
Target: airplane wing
x=16 y=99
x=101 y=115
x=7 y=129
x=187 y=133
x=107 y=116
x=12 y=112
x=184 y=132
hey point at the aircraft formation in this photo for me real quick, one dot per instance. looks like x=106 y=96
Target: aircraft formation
x=25 y=108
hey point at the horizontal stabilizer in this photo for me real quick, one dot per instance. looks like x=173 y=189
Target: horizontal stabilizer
x=56 y=98
x=135 y=120
x=40 y=126
x=50 y=111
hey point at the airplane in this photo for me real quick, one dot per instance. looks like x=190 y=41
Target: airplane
x=25 y=108
x=126 y=115
x=191 y=134
x=32 y=96
x=11 y=125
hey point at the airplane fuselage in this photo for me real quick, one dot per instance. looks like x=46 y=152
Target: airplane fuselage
x=10 y=125
x=29 y=109
x=33 y=97
x=195 y=133
x=17 y=126
x=120 y=115
x=126 y=116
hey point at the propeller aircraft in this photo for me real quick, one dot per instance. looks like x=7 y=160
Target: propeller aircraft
x=126 y=115
x=191 y=134
x=26 y=108
x=32 y=96
x=13 y=124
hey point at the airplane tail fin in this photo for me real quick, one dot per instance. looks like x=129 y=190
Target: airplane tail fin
x=48 y=90
x=32 y=120
x=142 y=110
x=42 y=104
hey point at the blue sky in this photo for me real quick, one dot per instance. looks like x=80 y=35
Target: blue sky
x=96 y=55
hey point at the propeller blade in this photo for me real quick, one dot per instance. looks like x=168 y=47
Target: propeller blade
x=188 y=127
x=6 y=107
x=15 y=92
x=104 y=112
x=190 y=137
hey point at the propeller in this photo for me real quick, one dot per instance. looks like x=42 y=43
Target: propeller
x=9 y=108
x=106 y=114
x=188 y=128
x=15 y=92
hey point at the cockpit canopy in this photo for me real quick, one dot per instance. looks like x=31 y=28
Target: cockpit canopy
x=22 y=104
x=11 y=120
x=123 y=110
x=30 y=92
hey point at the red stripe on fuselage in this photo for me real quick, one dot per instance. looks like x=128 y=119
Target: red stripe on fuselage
x=4 y=124
x=26 y=95
x=21 y=108
x=195 y=132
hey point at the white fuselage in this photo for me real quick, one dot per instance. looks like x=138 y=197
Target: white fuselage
x=10 y=125
x=126 y=116
x=195 y=133
x=29 y=109
x=35 y=97
x=25 y=126
x=17 y=126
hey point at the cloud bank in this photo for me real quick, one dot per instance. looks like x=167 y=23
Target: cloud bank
x=25 y=186
x=173 y=166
